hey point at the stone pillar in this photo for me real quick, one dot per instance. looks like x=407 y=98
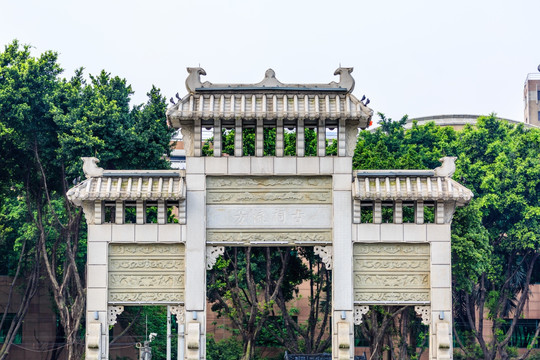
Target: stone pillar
x=300 y=143
x=342 y=277
x=217 y=137
x=342 y=138
x=259 y=138
x=321 y=138
x=280 y=146
x=195 y=303
x=238 y=146
x=99 y=237
x=441 y=291
x=197 y=137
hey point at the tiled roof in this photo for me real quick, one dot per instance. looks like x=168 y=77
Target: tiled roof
x=270 y=100
x=270 y=106
x=127 y=186
x=409 y=188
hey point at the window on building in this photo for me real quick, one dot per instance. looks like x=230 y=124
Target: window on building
x=4 y=330
x=535 y=277
x=523 y=333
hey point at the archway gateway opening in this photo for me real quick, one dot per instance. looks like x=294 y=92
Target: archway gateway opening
x=272 y=299
x=252 y=202
x=392 y=332
x=138 y=331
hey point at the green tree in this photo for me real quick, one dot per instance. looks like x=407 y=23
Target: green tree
x=495 y=242
x=501 y=164
x=47 y=124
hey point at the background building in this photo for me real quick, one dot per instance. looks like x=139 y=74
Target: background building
x=531 y=95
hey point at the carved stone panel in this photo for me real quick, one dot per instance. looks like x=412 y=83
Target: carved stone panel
x=286 y=210
x=396 y=273
x=149 y=273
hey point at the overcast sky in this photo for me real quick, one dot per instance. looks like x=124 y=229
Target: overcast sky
x=415 y=57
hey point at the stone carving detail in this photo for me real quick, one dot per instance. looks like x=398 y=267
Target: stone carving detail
x=392 y=249
x=193 y=81
x=138 y=264
x=147 y=249
x=292 y=237
x=212 y=254
x=90 y=167
x=447 y=168
x=359 y=312
x=265 y=197
x=398 y=273
x=179 y=311
x=392 y=281
x=147 y=281
x=236 y=216
x=298 y=182
x=113 y=312
x=149 y=298
x=325 y=253
x=392 y=296
x=391 y=264
x=425 y=313
x=146 y=273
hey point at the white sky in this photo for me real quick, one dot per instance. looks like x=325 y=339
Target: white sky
x=415 y=57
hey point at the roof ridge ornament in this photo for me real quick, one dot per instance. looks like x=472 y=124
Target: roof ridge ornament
x=90 y=167
x=447 y=168
x=270 y=82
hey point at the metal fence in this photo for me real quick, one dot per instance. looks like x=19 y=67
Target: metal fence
x=324 y=356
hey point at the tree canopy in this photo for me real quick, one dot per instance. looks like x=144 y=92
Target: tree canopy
x=46 y=124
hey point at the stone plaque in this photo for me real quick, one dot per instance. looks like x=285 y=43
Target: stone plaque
x=396 y=273
x=269 y=210
x=149 y=273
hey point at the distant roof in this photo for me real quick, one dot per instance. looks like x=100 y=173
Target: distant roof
x=457 y=120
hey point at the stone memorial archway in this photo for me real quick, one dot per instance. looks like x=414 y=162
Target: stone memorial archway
x=268 y=201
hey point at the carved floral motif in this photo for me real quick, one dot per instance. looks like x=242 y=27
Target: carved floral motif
x=139 y=264
x=391 y=249
x=113 y=312
x=145 y=281
x=289 y=237
x=393 y=296
x=212 y=254
x=393 y=264
x=359 y=311
x=425 y=313
x=179 y=311
x=325 y=253
x=278 y=181
x=152 y=297
x=140 y=249
x=390 y=280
